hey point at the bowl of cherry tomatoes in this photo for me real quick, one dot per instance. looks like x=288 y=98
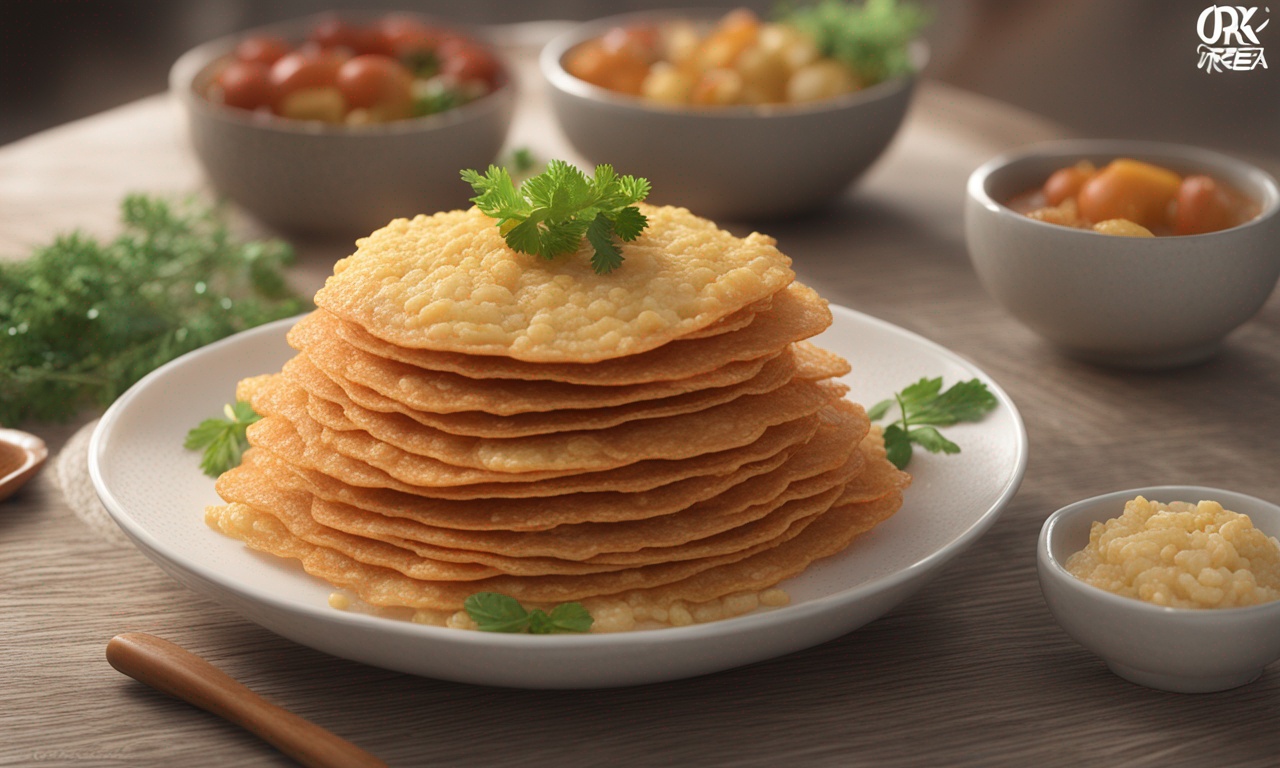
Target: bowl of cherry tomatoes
x=335 y=125
x=730 y=114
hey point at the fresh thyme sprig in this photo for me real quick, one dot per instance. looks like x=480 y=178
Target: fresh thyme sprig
x=549 y=214
x=81 y=320
x=223 y=440
x=495 y=612
x=923 y=407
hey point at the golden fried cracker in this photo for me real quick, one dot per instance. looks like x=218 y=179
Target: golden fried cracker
x=585 y=541
x=441 y=392
x=797 y=312
x=718 y=428
x=303 y=444
x=720 y=495
x=381 y=585
x=449 y=282
x=419 y=458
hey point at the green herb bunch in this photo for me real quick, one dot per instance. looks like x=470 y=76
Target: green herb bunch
x=922 y=408
x=871 y=38
x=496 y=612
x=81 y=320
x=549 y=214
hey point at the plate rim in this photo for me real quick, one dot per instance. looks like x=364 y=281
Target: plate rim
x=696 y=633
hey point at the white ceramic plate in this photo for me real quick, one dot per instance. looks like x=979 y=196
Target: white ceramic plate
x=157 y=494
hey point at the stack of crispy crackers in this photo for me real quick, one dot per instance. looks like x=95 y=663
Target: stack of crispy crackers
x=462 y=418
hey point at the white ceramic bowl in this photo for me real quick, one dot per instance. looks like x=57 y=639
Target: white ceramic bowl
x=1123 y=301
x=726 y=162
x=311 y=178
x=1184 y=650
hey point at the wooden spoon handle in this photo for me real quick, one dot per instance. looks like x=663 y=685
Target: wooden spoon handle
x=178 y=672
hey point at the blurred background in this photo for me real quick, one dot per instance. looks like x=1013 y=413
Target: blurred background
x=1113 y=68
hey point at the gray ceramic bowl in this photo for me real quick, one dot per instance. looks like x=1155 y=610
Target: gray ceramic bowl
x=732 y=162
x=1123 y=301
x=308 y=177
x=1173 y=649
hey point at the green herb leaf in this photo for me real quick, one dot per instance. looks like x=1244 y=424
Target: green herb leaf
x=870 y=38
x=551 y=213
x=897 y=446
x=930 y=439
x=877 y=411
x=571 y=617
x=223 y=440
x=81 y=320
x=494 y=612
x=923 y=407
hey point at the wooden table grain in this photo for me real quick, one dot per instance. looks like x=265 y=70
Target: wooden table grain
x=971 y=672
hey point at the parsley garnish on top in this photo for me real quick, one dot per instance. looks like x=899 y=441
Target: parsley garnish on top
x=923 y=407
x=549 y=214
x=496 y=612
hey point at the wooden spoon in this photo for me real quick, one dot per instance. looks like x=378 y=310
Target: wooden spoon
x=178 y=672
x=21 y=456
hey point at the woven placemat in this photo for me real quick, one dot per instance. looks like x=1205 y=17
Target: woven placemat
x=71 y=471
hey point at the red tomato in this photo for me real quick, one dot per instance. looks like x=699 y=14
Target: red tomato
x=374 y=81
x=245 y=85
x=465 y=60
x=403 y=35
x=1203 y=206
x=1064 y=183
x=301 y=69
x=333 y=32
x=263 y=50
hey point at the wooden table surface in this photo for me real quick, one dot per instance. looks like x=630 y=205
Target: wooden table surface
x=971 y=672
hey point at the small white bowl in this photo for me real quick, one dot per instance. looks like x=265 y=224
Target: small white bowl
x=737 y=162
x=306 y=177
x=1129 y=302
x=1184 y=650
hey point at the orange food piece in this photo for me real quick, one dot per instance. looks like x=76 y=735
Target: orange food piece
x=1067 y=182
x=1204 y=205
x=618 y=69
x=733 y=35
x=1129 y=189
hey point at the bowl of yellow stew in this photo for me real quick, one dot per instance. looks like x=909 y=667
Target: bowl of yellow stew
x=1174 y=587
x=733 y=115
x=1125 y=253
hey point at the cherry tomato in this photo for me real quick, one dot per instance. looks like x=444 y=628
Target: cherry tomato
x=1128 y=189
x=302 y=69
x=245 y=85
x=1067 y=182
x=374 y=81
x=465 y=60
x=1203 y=206
x=263 y=50
x=403 y=35
x=333 y=32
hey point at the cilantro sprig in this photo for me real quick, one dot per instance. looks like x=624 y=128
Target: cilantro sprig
x=549 y=214
x=223 y=440
x=496 y=612
x=870 y=38
x=923 y=407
